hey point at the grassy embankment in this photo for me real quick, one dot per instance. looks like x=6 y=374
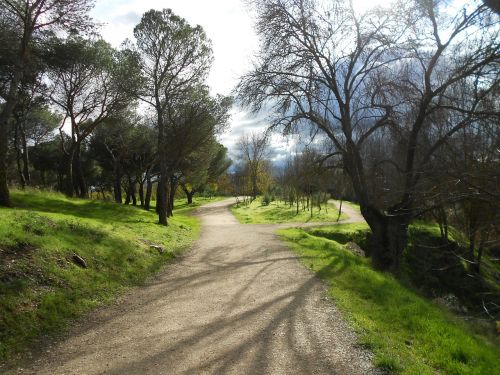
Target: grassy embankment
x=42 y=288
x=280 y=212
x=407 y=333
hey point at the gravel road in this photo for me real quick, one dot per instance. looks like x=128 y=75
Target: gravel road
x=238 y=303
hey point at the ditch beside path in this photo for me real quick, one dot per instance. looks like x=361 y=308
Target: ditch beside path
x=238 y=303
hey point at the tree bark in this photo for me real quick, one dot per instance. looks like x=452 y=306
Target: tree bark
x=149 y=191
x=189 y=193
x=18 y=157
x=141 y=192
x=8 y=109
x=389 y=238
x=25 y=155
x=78 y=175
x=117 y=184
x=131 y=184
x=68 y=187
x=171 y=196
x=161 y=196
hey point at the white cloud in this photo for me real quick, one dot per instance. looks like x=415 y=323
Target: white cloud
x=227 y=23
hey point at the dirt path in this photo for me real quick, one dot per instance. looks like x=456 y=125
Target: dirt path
x=354 y=215
x=238 y=303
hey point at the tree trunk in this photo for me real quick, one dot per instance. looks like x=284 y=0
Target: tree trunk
x=42 y=178
x=4 y=190
x=24 y=145
x=18 y=156
x=189 y=193
x=78 y=175
x=5 y=123
x=189 y=196
x=149 y=191
x=161 y=193
x=8 y=109
x=132 y=191
x=161 y=196
x=129 y=192
x=340 y=210
x=171 y=196
x=141 y=192
x=67 y=183
x=117 y=184
x=389 y=238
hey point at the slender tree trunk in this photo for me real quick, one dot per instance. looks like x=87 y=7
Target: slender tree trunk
x=311 y=205
x=129 y=191
x=24 y=144
x=171 y=196
x=132 y=192
x=78 y=175
x=141 y=192
x=340 y=210
x=149 y=191
x=22 y=179
x=254 y=185
x=42 y=178
x=5 y=116
x=68 y=187
x=161 y=196
x=117 y=183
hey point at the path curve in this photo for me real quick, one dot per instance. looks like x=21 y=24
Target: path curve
x=238 y=303
x=354 y=216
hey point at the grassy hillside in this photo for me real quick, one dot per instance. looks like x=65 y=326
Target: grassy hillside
x=280 y=212
x=41 y=285
x=408 y=333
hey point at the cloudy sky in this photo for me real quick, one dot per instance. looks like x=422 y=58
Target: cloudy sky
x=228 y=23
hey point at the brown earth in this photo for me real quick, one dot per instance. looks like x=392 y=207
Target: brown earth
x=238 y=303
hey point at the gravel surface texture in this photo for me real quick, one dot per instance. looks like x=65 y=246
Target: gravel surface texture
x=238 y=303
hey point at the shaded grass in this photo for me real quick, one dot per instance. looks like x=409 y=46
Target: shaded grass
x=279 y=212
x=42 y=289
x=407 y=333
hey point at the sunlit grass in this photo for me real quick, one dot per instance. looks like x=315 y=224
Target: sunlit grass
x=41 y=288
x=280 y=212
x=407 y=333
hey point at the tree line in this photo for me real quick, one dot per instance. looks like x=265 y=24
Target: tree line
x=87 y=117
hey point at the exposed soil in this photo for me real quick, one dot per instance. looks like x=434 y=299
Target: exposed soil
x=238 y=303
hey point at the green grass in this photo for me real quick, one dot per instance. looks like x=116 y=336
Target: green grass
x=279 y=212
x=407 y=333
x=41 y=289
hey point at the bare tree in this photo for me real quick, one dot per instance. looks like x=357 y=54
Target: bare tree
x=355 y=76
x=253 y=149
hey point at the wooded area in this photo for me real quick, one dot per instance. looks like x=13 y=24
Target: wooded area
x=83 y=117
x=393 y=113
x=405 y=104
